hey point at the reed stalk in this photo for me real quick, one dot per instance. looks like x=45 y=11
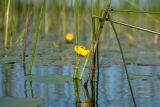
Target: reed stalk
x=36 y=35
x=130 y=26
x=6 y=24
x=64 y=18
x=76 y=19
x=76 y=11
x=94 y=38
x=25 y=37
x=14 y=22
x=141 y=9
x=135 y=27
x=94 y=47
x=46 y=17
x=95 y=26
x=76 y=92
x=31 y=89
x=97 y=82
x=124 y=63
x=133 y=11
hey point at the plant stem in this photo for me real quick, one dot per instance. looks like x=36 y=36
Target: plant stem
x=85 y=64
x=125 y=66
x=135 y=27
x=36 y=35
x=94 y=47
x=6 y=24
x=131 y=26
x=97 y=83
x=76 y=10
x=133 y=11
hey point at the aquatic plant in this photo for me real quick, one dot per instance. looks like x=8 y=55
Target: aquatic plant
x=69 y=37
x=36 y=35
x=85 y=64
x=6 y=23
x=24 y=39
x=96 y=42
x=76 y=9
x=81 y=50
x=124 y=63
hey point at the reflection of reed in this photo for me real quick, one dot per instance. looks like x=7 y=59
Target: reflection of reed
x=89 y=100
x=31 y=89
x=76 y=92
x=24 y=32
x=25 y=88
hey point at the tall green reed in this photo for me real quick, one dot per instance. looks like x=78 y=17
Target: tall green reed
x=25 y=37
x=64 y=18
x=36 y=35
x=76 y=91
x=76 y=11
x=76 y=19
x=95 y=45
x=95 y=25
x=140 y=8
x=13 y=20
x=7 y=6
x=46 y=17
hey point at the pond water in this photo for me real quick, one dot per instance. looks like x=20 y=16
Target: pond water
x=51 y=84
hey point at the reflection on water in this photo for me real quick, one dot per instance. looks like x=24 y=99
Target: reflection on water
x=113 y=90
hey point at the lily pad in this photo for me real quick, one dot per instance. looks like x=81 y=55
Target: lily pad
x=53 y=78
x=144 y=78
x=19 y=102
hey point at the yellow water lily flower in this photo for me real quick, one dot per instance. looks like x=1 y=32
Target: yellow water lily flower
x=81 y=50
x=69 y=37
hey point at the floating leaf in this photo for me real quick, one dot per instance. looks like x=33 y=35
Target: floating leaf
x=19 y=102
x=144 y=78
x=53 y=78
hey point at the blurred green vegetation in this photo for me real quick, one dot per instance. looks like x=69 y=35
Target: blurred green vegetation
x=59 y=16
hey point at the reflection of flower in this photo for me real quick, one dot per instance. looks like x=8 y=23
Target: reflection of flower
x=69 y=37
x=81 y=50
x=84 y=104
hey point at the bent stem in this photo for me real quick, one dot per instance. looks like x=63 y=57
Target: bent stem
x=125 y=66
